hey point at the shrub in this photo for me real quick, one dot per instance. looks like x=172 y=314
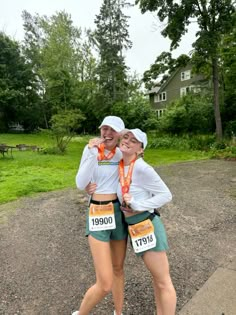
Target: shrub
x=190 y=114
x=185 y=142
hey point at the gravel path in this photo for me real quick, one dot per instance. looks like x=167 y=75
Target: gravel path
x=45 y=262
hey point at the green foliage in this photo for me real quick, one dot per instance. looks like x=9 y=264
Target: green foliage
x=17 y=86
x=185 y=142
x=228 y=70
x=163 y=67
x=214 y=18
x=63 y=62
x=227 y=153
x=52 y=150
x=136 y=112
x=201 y=142
x=167 y=142
x=63 y=126
x=111 y=38
x=191 y=114
x=202 y=146
x=230 y=129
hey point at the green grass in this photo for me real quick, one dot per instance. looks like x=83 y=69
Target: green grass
x=30 y=172
x=157 y=157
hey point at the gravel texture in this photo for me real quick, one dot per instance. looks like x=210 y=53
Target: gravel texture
x=45 y=261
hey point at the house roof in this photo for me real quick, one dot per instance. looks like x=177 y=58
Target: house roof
x=162 y=87
x=168 y=80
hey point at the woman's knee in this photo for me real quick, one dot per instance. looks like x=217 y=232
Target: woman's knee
x=105 y=285
x=118 y=270
x=164 y=284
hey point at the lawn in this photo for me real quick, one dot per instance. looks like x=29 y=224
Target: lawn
x=31 y=172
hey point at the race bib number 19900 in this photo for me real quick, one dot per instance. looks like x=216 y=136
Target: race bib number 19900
x=101 y=217
x=142 y=236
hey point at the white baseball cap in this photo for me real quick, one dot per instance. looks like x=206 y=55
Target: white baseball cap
x=139 y=135
x=114 y=122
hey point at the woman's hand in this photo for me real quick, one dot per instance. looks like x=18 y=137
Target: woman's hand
x=90 y=188
x=127 y=198
x=95 y=142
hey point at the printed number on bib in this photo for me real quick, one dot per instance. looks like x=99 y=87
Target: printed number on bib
x=101 y=217
x=142 y=236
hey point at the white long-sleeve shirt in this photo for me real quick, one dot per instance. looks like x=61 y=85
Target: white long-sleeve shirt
x=147 y=189
x=104 y=173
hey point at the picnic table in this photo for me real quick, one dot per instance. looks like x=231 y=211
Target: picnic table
x=5 y=149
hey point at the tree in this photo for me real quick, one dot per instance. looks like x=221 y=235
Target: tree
x=136 y=111
x=214 y=18
x=111 y=38
x=63 y=126
x=32 y=51
x=228 y=70
x=163 y=67
x=63 y=62
x=17 y=85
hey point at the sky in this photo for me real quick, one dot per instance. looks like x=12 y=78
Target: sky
x=144 y=29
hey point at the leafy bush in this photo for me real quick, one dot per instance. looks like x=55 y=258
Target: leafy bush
x=228 y=153
x=207 y=143
x=186 y=142
x=201 y=142
x=52 y=150
x=190 y=114
x=167 y=142
x=63 y=126
x=136 y=113
x=230 y=128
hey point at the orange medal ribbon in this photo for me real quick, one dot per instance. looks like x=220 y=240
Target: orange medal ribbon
x=101 y=153
x=125 y=181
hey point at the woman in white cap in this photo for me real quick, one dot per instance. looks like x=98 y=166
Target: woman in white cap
x=141 y=191
x=105 y=226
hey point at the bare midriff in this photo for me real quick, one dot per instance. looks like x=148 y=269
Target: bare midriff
x=104 y=197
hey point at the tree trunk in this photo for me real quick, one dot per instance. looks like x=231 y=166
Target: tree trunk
x=44 y=113
x=216 y=99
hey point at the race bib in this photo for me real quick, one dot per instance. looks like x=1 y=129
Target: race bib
x=101 y=217
x=142 y=236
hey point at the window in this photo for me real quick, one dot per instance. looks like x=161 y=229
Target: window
x=160 y=112
x=185 y=75
x=196 y=89
x=191 y=88
x=183 y=91
x=160 y=97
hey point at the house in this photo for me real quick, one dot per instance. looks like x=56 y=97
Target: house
x=182 y=81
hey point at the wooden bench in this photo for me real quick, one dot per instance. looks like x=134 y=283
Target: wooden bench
x=5 y=149
x=24 y=147
x=21 y=147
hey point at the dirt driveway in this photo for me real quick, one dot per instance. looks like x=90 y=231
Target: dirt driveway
x=45 y=264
